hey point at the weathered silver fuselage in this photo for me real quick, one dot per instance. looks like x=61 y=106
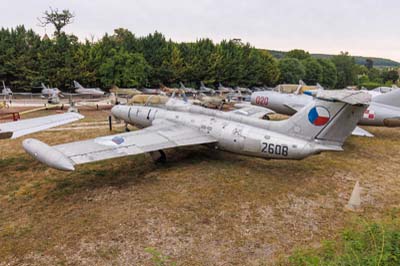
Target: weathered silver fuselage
x=232 y=136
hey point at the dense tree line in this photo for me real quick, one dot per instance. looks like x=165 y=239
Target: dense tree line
x=123 y=59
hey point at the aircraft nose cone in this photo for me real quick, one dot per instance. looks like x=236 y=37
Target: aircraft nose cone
x=120 y=111
x=116 y=111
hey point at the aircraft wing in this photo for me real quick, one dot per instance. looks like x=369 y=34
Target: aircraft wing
x=27 y=126
x=26 y=93
x=162 y=135
x=295 y=107
x=251 y=110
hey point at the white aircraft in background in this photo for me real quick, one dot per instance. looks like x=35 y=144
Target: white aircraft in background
x=323 y=125
x=380 y=90
x=223 y=89
x=242 y=90
x=16 y=129
x=187 y=90
x=79 y=89
x=6 y=91
x=49 y=92
x=204 y=89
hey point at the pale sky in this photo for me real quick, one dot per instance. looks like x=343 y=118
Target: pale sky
x=361 y=27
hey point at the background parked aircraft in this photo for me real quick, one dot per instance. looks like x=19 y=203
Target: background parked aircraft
x=170 y=91
x=124 y=91
x=186 y=89
x=223 y=89
x=6 y=91
x=205 y=89
x=79 y=89
x=47 y=91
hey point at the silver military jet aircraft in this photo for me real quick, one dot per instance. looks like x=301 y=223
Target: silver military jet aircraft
x=384 y=109
x=187 y=90
x=6 y=91
x=323 y=125
x=204 y=89
x=223 y=89
x=79 y=89
x=49 y=92
x=380 y=90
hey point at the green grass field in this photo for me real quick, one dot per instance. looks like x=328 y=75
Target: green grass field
x=201 y=208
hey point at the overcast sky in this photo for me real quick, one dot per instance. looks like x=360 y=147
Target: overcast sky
x=361 y=27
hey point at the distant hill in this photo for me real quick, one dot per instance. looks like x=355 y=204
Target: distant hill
x=360 y=60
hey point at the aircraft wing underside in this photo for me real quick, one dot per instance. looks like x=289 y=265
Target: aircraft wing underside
x=163 y=135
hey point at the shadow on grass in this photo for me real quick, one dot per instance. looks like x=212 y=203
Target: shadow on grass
x=140 y=170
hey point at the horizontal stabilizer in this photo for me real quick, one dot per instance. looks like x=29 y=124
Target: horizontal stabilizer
x=346 y=96
x=358 y=131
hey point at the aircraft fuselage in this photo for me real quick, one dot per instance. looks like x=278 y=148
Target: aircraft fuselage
x=231 y=136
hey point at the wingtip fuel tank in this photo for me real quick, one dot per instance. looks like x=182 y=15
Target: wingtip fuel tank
x=48 y=155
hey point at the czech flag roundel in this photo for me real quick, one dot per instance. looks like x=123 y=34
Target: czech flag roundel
x=318 y=116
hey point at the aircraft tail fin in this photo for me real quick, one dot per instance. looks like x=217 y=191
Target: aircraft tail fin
x=43 y=86
x=77 y=85
x=320 y=87
x=329 y=119
x=390 y=98
x=182 y=86
x=298 y=89
x=4 y=84
x=202 y=84
x=184 y=97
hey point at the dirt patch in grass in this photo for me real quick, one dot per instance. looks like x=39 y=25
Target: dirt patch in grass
x=200 y=208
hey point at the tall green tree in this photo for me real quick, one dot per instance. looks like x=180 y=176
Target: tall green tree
x=345 y=66
x=124 y=69
x=59 y=19
x=329 y=73
x=292 y=70
x=173 y=66
x=313 y=71
x=390 y=75
x=298 y=54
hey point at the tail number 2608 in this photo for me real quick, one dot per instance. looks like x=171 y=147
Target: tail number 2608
x=277 y=149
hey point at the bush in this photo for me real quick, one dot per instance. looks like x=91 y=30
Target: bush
x=371 y=245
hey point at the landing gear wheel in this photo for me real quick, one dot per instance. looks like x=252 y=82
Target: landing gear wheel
x=159 y=157
x=266 y=117
x=126 y=128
